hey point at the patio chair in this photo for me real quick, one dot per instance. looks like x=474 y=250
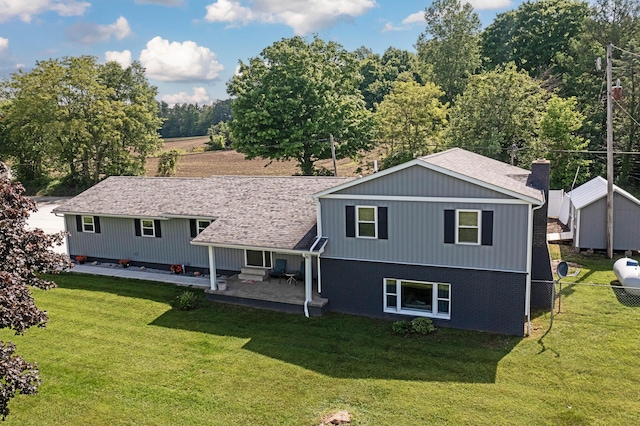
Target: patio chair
x=300 y=273
x=279 y=269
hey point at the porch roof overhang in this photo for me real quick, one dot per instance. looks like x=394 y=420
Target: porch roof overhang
x=316 y=249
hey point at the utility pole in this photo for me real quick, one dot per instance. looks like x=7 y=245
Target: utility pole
x=609 y=155
x=333 y=155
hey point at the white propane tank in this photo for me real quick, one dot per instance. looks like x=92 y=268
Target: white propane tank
x=628 y=274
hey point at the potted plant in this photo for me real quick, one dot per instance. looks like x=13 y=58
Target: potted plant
x=124 y=262
x=81 y=259
x=176 y=268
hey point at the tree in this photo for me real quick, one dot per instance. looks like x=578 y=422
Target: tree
x=168 y=163
x=291 y=98
x=219 y=136
x=80 y=119
x=450 y=44
x=24 y=256
x=498 y=115
x=411 y=119
x=558 y=127
x=534 y=34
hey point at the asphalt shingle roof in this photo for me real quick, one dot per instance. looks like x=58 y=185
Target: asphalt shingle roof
x=266 y=212
x=485 y=170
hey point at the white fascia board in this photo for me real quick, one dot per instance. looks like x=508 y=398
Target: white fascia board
x=427 y=199
x=241 y=247
x=122 y=216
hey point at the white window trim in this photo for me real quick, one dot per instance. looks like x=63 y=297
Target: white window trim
x=375 y=222
x=199 y=227
x=397 y=309
x=479 y=227
x=153 y=228
x=264 y=258
x=92 y=224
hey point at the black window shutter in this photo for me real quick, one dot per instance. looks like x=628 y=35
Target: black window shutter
x=487 y=228
x=194 y=229
x=96 y=224
x=79 y=223
x=137 y=225
x=383 y=232
x=449 y=226
x=351 y=220
x=156 y=225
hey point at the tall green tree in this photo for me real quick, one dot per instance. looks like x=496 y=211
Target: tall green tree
x=534 y=34
x=450 y=45
x=81 y=119
x=292 y=97
x=411 y=119
x=559 y=127
x=498 y=116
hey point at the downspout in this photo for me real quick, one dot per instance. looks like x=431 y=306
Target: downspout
x=527 y=298
x=308 y=283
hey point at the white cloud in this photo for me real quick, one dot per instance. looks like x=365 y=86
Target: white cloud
x=175 y=61
x=390 y=27
x=123 y=58
x=304 y=16
x=489 y=4
x=414 y=18
x=85 y=32
x=4 y=45
x=26 y=9
x=199 y=96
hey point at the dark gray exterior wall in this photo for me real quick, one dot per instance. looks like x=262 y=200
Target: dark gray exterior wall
x=416 y=235
x=418 y=181
x=480 y=300
x=626 y=224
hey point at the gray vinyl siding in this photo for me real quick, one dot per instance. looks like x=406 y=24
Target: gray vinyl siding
x=480 y=300
x=626 y=224
x=416 y=236
x=117 y=240
x=417 y=181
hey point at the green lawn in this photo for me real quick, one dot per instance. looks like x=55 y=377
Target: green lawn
x=115 y=353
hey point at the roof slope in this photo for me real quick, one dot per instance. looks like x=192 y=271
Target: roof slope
x=594 y=190
x=484 y=169
x=269 y=212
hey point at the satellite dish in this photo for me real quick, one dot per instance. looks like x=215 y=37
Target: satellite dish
x=562 y=269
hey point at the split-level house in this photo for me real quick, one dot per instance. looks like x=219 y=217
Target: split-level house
x=453 y=236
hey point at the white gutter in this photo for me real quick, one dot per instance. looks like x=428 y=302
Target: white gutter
x=527 y=297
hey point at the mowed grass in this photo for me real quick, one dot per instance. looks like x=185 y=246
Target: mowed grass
x=116 y=353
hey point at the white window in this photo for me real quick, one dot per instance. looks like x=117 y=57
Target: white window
x=366 y=222
x=417 y=298
x=259 y=258
x=87 y=224
x=202 y=224
x=148 y=228
x=468 y=226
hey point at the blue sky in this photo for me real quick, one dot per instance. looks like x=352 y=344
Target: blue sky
x=191 y=48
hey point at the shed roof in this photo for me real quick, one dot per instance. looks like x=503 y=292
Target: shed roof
x=269 y=212
x=594 y=190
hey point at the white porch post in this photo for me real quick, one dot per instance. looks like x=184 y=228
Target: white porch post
x=308 y=283
x=212 y=269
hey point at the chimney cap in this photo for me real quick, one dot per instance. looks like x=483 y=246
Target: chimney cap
x=541 y=161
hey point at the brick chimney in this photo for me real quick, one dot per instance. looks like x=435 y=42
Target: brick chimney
x=540 y=260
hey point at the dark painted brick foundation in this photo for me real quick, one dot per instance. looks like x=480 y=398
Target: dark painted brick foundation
x=480 y=300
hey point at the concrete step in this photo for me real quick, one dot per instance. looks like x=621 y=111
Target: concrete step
x=249 y=270
x=252 y=277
